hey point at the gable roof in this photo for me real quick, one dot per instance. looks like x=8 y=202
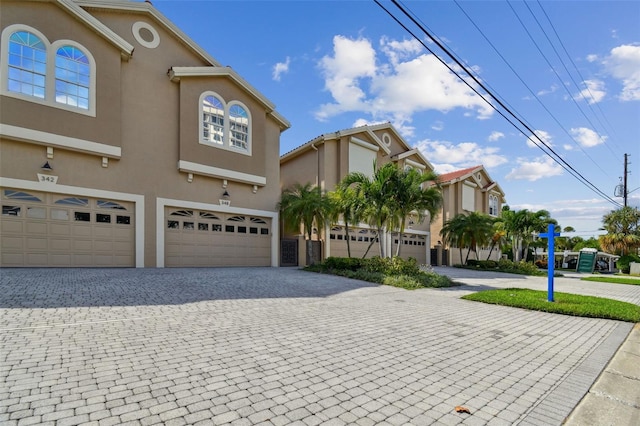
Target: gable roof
x=175 y=73
x=366 y=128
x=145 y=8
x=460 y=175
x=457 y=175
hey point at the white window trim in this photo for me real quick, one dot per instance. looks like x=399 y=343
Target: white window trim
x=50 y=78
x=226 y=131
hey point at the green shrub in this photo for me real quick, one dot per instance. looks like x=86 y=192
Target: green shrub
x=489 y=264
x=524 y=268
x=397 y=272
x=392 y=266
x=624 y=262
x=343 y=263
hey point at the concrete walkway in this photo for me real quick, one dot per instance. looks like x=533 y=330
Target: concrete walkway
x=269 y=346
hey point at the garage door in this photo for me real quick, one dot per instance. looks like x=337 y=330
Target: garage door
x=45 y=229
x=198 y=238
x=412 y=246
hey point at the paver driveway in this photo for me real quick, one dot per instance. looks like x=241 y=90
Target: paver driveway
x=280 y=346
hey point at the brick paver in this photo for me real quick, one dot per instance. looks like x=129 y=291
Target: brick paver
x=282 y=346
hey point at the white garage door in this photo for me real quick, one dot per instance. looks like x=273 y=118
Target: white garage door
x=45 y=229
x=198 y=238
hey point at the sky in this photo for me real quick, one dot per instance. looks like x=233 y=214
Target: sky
x=568 y=70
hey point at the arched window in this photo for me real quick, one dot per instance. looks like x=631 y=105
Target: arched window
x=238 y=127
x=225 y=125
x=73 y=77
x=27 y=64
x=493 y=205
x=212 y=120
x=59 y=74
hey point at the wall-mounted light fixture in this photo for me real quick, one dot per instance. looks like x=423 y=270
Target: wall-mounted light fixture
x=47 y=167
x=225 y=194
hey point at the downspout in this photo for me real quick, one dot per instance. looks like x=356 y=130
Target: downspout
x=313 y=145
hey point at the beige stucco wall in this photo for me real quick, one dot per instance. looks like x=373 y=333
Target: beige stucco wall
x=153 y=119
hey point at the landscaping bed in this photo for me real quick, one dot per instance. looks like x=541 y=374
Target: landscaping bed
x=396 y=272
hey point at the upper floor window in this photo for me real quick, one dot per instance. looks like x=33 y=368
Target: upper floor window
x=73 y=74
x=239 y=127
x=493 y=205
x=226 y=126
x=27 y=64
x=59 y=74
x=212 y=120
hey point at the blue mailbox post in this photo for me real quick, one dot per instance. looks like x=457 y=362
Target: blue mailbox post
x=550 y=235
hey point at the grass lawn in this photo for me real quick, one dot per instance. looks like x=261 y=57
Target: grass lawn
x=613 y=280
x=565 y=303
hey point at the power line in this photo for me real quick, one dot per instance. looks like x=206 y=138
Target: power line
x=529 y=88
x=549 y=151
x=611 y=128
x=551 y=66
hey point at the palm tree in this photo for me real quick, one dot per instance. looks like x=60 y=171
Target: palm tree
x=306 y=205
x=521 y=225
x=378 y=194
x=453 y=233
x=412 y=200
x=498 y=238
x=623 y=230
x=345 y=204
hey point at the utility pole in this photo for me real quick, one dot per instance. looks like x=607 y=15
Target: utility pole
x=625 y=191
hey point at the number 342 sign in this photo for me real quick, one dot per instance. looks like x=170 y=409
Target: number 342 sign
x=47 y=178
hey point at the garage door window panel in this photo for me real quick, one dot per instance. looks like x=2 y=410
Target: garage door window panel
x=123 y=220
x=203 y=227
x=36 y=212
x=103 y=218
x=11 y=210
x=173 y=224
x=58 y=214
x=104 y=204
x=19 y=195
x=74 y=201
x=82 y=216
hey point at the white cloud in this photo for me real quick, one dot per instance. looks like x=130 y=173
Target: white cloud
x=552 y=89
x=446 y=155
x=567 y=147
x=593 y=92
x=592 y=58
x=351 y=61
x=539 y=168
x=281 y=68
x=393 y=85
x=624 y=64
x=543 y=135
x=494 y=136
x=587 y=137
x=438 y=126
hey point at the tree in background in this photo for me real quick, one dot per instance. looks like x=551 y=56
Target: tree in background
x=377 y=193
x=304 y=205
x=472 y=230
x=520 y=226
x=412 y=199
x=345 y=204
x=623 y=231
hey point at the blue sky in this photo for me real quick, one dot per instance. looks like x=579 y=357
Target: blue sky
x=331 y=65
